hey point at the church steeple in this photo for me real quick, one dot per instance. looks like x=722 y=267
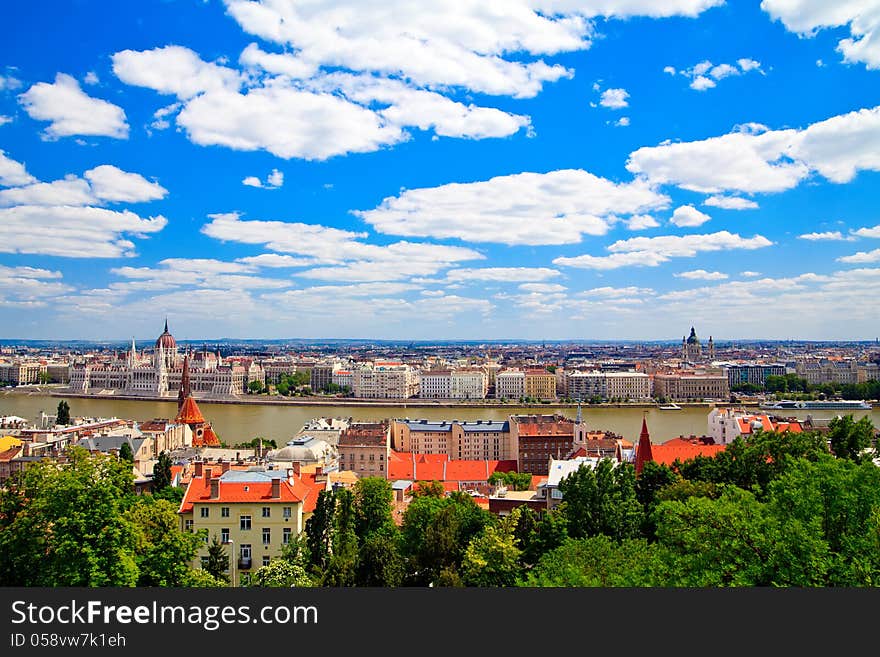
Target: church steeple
x=185 y=390
x=643 y=453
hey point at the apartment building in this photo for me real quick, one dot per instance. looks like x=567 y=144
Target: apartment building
x=473 y=439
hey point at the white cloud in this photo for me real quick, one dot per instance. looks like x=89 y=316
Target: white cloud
x=653 y=251
x=557 y=207
x=13 y=173
x=609 y=292
x=5 y=119
x=730 y=203
x=29 y=286
x=69 y=191
x=75 y=232
x=276 y=260
x=542 y=288
x=71 y=111
x=110 y=183
x=91 y=78
x=755 y=159
x=706 y=75
x=161 y=116
x=807 y=17
x=868 y=232
x=641 y=222
x=349 y=258
x=702 y=275
x=614 y=98
x=669 y=70
x=9 y=83
x=688 y=216
x=502 y=274
x=622 y=122
x=750 y=274
x=826 y=236
x=862 y=257
x=174 y=70
x=273 y=181
x=198 y=272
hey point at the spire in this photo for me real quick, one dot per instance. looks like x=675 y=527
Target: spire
x=580 y=416
x=166 y=325
x=185 y=390
x=643 y=453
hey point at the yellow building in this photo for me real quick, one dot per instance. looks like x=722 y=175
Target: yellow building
x=8 y=442
x=254 y=513
x=540 y=384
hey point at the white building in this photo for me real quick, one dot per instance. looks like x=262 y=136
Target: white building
x=510 y=384
x=385 y=380
x=608 y=385
x=469 y=384
x=435 y=384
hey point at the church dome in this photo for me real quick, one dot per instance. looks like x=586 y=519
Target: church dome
x=692 y=338
x=166 y=341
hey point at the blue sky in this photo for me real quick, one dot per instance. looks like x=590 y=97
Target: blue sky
x=534 y=169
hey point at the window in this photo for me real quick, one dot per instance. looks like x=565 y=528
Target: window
x=266 y=512
x=245 y=551
x=224 y=535
x=204 y=562
x=266 y=560
x=244 y=523
x=286 y=512
x=188 y=525
x=204 y=512
x=224 y=512
x=285 y=536
x=267 y=535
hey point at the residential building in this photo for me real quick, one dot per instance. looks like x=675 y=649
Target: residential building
x=540 y=384
x=728 y=424
x=470 y=383
x=691 y=386
x=435 y=384
x=473 y=439
x=364 y=448
x=753 y=373
x=389 y=380
x=510 y=384
x=255 y=513
x=538 y=438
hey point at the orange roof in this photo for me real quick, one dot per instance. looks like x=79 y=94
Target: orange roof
x=430 y=467
x=209 y=438
x=199 y=491
x=189 y=413
x=668 y=452
x=546 y=429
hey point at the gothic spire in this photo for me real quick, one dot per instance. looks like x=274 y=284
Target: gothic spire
x=185 y=390
x=643 y=452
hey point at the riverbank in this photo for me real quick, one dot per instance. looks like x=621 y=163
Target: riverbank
x=365 y=403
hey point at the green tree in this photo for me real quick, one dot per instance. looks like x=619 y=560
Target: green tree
x=602 y=501
x=65 y=524
x=492 y=558
x=217 y=563
x=255 y=387
x=281 y=573
x=319 y=530
x=341 y=570
x=62 y=415
x=380 y=562
x=600 y=561
x=162 y=472
x=429 y=489
x=848 y=438
x=198 y=578
x=373 y=508
x=44 y=378
x=125 y=453
x=163 y=552
x=736 y=540
x=840 y=500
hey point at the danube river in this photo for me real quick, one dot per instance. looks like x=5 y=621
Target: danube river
x=240 y=422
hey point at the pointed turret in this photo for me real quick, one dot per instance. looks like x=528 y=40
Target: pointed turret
x=643 y=452
x=185 y=390
x=579 y=418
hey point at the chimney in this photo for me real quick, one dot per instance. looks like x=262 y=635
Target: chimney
x=295 y=468
x=215 y=489
x=225 y=467
x=319 y=470
x=276 y=488
x=199 y=466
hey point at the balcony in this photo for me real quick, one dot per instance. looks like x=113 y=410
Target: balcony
x=244 y=563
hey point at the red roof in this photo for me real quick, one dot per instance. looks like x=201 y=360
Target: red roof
x=430 y=467
x=189 y=413
x=668 y=452
x=644 y=452
x=209 y=439
x=199 y=491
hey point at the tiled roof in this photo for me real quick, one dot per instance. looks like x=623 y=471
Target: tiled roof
x=668 y=452
x=430 y=467
x=232 y=492
x=189 y=413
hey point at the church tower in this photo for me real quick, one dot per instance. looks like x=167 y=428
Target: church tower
x=643 y=451
x=711 y=345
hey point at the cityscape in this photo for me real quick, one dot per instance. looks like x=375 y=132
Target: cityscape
x=517 y=294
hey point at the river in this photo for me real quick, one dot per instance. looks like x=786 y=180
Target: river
x=236 y=423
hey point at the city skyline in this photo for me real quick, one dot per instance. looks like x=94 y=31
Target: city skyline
x=528 y=171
